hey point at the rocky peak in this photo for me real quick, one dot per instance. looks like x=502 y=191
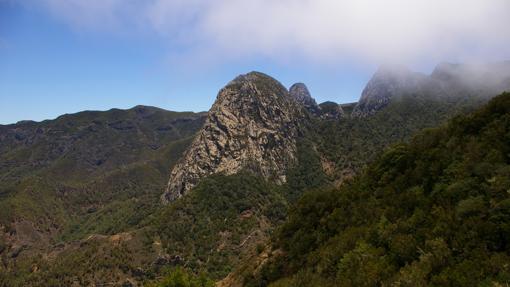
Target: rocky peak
x=330 y=111
x=253 y=124
x=300 y=93
x=326 y=111
x=386 y=83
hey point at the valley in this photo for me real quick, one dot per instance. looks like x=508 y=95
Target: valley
x=268 y=188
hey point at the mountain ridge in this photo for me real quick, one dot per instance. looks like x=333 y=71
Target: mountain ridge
x=446 y=80
x=92 y=111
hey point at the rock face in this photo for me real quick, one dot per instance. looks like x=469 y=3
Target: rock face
x=447 y=80
x=300 y=93
x=253 y=125
x=325 y=111
x=330 y=111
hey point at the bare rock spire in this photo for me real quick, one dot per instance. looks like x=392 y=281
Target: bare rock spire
x=253 y=125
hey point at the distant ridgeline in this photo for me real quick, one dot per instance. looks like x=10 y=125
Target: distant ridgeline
x=80 y=196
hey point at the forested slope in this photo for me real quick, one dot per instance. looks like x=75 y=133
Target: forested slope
x=431 y=212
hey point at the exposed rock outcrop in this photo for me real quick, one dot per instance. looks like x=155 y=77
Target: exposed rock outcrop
x=325 y=111
x=330 y=111
x=253 y=125
x=300 y=93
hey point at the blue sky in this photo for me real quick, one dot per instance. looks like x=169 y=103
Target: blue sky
x=61 y=56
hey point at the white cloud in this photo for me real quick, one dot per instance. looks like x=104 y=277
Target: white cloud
x=318 y=30
x=89 y=13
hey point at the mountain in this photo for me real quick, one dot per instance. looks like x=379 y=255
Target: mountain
x=338 y=146
x=330 y=111
x=449 y=81
x=95 y=142
x=253 y=124
x=326 y=110
x=80 y=196
x=396 y=103
x=385 y=84
x=82 y=175
x=486 y=78
x=431 y=212
x=300 y=93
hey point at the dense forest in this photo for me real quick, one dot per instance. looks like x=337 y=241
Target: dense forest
x=431 y=212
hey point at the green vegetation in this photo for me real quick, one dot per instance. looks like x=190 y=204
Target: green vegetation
x=181 y=278
x=223 y=217
x=350 y=143
x=79 y=203
x=307 y=174
x=95 y=261
x=65 y=180
x=432 y=212
x=71 y=169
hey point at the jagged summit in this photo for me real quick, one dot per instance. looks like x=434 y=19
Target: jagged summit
x=253 y=124
x=300 y=93
x=327 y=110
x=330 y=111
